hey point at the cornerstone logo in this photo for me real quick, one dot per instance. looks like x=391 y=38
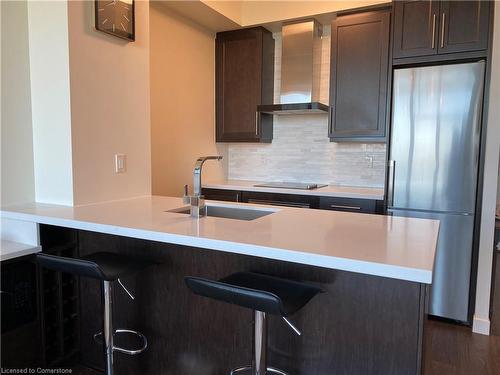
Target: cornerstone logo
x=38 y=370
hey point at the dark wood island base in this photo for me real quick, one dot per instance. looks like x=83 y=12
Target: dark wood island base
x=362 y=325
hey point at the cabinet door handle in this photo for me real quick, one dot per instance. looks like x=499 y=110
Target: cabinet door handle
x=442 y=29
x=345 y=207
x=330 y=119
x=434 y=31
x=390 y=182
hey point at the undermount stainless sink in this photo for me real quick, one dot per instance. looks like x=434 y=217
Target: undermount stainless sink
x=229 y=212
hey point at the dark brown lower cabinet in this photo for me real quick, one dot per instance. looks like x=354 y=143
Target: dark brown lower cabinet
x=222 y=195
x=40 y=307
x=368 y=206
x=21 y=334
x=283 y=200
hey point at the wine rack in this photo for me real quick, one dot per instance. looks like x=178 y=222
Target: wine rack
x=59 y=298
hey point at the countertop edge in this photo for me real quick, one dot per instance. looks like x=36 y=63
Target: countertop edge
x=343 y=264
x=17 y=250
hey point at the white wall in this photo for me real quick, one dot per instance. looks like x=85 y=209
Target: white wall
x=89 y=100
x=182 y=101
x=50 y=101
x=498 y=187
x=17 y=181
x=110 y=109
x=485 y=262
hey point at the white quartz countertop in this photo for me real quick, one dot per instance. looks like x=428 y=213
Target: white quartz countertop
x=11 y=250
x=326 y=191
x=394 y=247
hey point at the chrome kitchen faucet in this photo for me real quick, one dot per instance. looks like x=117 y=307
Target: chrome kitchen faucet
x=196 y=201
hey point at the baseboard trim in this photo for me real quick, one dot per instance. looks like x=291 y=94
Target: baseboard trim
x=481 y=326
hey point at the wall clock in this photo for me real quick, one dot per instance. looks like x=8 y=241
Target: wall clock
x=116 y=17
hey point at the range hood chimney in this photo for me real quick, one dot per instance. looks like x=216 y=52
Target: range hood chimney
x=300 y=70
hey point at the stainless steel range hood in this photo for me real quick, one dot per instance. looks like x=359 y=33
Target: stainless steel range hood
x=300 y=70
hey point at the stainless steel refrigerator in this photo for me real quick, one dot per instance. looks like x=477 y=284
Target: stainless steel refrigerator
x=433 y=168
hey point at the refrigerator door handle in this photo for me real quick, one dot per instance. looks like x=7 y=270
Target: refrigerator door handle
x=391 y=164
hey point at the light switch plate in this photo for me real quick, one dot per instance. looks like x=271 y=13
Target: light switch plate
x=120 y=166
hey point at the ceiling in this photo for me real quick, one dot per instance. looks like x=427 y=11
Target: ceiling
x=222 y=15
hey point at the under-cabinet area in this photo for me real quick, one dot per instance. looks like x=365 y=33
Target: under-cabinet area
x=250 y=187
x=361 y=205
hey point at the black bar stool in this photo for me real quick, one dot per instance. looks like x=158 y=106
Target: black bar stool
x=263 y=294
x=107 y=267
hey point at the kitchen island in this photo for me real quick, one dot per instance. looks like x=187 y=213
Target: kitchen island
x=374 y=269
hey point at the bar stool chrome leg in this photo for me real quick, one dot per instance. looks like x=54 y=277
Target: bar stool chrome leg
x=106 y=337
x=235 y=288
x=259 y=361
x=108 y=332
x=260 y=343
x=106 y=267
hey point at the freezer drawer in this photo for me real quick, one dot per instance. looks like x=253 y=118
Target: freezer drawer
x=449 y=297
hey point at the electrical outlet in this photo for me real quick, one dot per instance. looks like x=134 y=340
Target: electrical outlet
x=120 y=166
x=369 y=161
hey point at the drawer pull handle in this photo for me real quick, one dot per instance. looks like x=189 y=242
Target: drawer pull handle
x=442 y=30
x=345 y=207
x=433 y=31
x=256 y=123
x=390 y=182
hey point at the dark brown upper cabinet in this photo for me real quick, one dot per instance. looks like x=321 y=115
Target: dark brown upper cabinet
x=244 y=79
x=415 y=28
x=359 y=69
x=464 y=26
x=423 y=28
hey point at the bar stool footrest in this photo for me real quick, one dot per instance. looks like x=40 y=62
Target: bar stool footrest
x=270 y=370
x=98 y=338
x=273 y=370
x=237 y=370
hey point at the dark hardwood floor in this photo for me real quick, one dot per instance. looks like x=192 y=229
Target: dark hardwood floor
x=449 y=349
x=82 y=370
x=454 y=350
